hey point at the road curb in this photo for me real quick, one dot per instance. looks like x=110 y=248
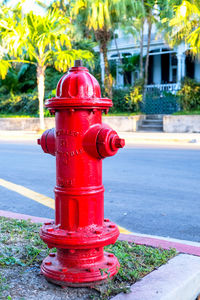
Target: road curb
x=179 y=279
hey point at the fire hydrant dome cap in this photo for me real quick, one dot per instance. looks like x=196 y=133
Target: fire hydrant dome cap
x=78 y=88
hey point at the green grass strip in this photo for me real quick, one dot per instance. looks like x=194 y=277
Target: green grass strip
x=22 y=246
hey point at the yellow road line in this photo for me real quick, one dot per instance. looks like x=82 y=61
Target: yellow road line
x=42 y=199
x=123 y=230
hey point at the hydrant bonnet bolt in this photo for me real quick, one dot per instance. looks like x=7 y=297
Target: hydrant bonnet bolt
x=79 y=142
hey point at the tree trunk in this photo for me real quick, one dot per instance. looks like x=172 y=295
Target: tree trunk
x=141 y=45
x=41 y=87
x=108 y=76
x=102 y=37
x=141 y=48
x=147 y=57
x=148 y=47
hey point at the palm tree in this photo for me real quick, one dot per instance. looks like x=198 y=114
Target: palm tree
x=148 y=12
x=102 y=17
x=154 y=10
x=134 y=24
x=4 y=64
x=185 y=25
x=42 y=41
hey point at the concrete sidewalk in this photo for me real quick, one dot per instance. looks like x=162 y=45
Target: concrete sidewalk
x=179 y=279
x=185 y=139
x=161 y=138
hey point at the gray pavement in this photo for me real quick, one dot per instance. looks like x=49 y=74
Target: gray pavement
x=148 y=189
x=151 y=187
x=130 y=137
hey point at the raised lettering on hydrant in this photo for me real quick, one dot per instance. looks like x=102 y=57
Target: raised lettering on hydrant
x=79 y=141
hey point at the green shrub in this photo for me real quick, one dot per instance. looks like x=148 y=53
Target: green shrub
x=119 y=102
x=189 y=95
x=19 y=79
x=21 y=104
x=127 y=99
x=135 y=95
x=52 y=77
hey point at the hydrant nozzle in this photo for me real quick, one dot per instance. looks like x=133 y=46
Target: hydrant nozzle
x=79 y=142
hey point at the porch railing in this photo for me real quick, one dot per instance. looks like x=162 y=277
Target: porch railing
x=168 y=87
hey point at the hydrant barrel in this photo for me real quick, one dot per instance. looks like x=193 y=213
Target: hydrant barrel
x=79 y=190
x=80 y=141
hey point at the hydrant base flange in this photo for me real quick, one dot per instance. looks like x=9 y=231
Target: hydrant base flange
x=84 y=238
x=85 y=276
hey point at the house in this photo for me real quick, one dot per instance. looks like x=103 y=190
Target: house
x=167 y=66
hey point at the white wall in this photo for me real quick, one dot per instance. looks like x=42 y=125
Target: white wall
x=197 y=70
x=157 y=69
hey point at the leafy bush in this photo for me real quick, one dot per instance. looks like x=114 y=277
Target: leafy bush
x=131 y=63
x=135 y=95
x=128 y=99
x=119 y=102
x=189 y=95
x=52 y=77
x=20 y=78
x=22 y=104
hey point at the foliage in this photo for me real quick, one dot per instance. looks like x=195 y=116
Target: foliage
x=119 y=101
x=135 y=95
x=40 y=40
x=52 y=77
x=102 y=13
x=126 y=100
x=189 y=95
x=4 y=67
x=20 y=104
x=185 y=25
x=113 y=68
x=131 y=63
x=101 y=17
x=19 y=78
x=15 y=115
x=21 y=244
x=27 y=78
x=186 y=112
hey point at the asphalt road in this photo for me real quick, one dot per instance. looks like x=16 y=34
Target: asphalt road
x=149 y=189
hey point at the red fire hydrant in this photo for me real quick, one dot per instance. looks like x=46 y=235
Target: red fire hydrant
x=80 y=141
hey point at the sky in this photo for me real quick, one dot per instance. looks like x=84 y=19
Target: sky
x=30 y=5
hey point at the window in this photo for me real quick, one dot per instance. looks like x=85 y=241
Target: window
x=174 y=74
x=174 y=63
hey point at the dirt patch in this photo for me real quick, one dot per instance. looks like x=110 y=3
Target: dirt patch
x=20 y=283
